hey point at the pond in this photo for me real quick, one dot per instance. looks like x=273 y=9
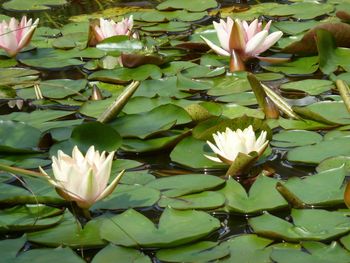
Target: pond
x=174 y=131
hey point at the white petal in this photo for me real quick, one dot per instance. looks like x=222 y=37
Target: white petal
x=215 y=159
x=216 y=48
x=255 y=43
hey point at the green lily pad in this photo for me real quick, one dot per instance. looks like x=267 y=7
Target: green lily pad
x=24 y=138
x=129 y=196
x=150 y=145
x=193 y=6
x=295 y=138
x=332 y=112
x=294 y=27
x=40 y=191
x=166 y=87
x=95 y=133
x=28 y=218
x=334 y=162
x=55 y=89
x=174 y=186
x=310 y=86
x=42 y=254
x=301 y=10
x=203 y=200
x=42 y=120
x=320 y=151
x=330 y=56
x=248 y=248
x=229 y=85
x=10 y=248
x=199 y=252
x=17 y=76
x=322 y=189
x=123 y=254
x=172 y=26
x=190 y=152
x=300 y=66
x=159 y=119
x=70 y=233
x=32 y=5
x=123 y=75
x=238 y=200
x=312 y=252
x=174 y=228
x=329 y=225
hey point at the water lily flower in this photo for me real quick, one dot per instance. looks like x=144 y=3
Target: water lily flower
x=109 y=28
x=15 y=35
x=242 y=41
x=83 y=179
x=230 y=143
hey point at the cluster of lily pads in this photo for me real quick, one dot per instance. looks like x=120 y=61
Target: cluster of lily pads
x=191 y=131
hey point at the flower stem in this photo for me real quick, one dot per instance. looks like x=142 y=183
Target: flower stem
x=86 y=213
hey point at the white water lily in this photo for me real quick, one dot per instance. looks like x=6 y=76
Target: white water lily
x=230 y=143
x=241 y=41
x=83 y=179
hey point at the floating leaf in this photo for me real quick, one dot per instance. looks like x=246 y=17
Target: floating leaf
x=312 y=252
x=329 y=225
x=199 y=252
x=174 y=228
x=237 y=200
x=123 y=254
x=194 y=6
x=30 y=5
x=295 y=138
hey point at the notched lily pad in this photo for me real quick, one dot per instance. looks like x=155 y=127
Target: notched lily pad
x=174 y=228
x=238 y=200
x=329 y=225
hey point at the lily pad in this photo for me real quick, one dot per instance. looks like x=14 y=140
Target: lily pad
x=199 y=252
x=174 y=186
x=300 y=66
x=28 y=218
x=320 y=151
x=24 y=138
x=193 y=6
x=70 y=233
x=329 y=225
x=32 y=5
x=310 y=86
x=295 y=138
x=238 y=200
x=322 y=189
x=129 y=196
x=159 y=119
x=312 y=252
x=174 y=228
x=203 y=200
x=123 y=254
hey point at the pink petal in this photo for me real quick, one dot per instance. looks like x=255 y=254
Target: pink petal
x=269 y=41
x=252 y=29
x=255 y=43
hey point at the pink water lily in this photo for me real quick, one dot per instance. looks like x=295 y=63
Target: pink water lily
x=15 y=35
x=242 y=41
x=109 y=28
